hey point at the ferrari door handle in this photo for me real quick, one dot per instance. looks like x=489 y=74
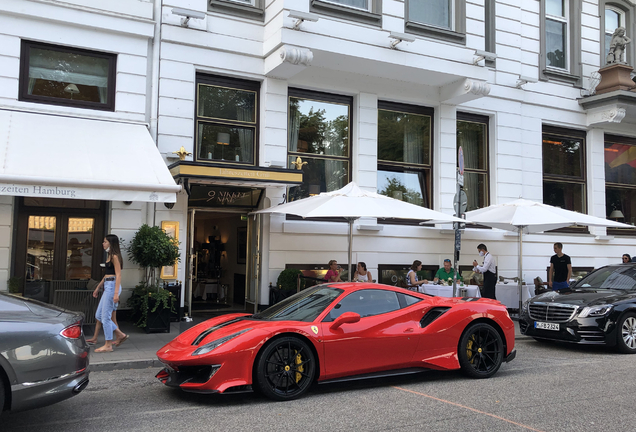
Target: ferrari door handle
x=408 y=330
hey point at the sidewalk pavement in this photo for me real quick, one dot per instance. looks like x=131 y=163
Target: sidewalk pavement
x=139 y=351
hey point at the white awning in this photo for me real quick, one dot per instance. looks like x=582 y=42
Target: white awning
x=64 y=157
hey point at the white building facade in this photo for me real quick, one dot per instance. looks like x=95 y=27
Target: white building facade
x=380 y=92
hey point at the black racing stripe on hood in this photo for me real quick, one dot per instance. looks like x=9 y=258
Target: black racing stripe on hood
x=205 y=333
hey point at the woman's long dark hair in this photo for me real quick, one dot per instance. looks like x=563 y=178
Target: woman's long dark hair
x=363 y=265
x=114 y=250
x=629 y=258
x=416 y=264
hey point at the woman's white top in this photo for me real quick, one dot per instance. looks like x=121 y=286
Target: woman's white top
x=408 y=277
x=363 y=277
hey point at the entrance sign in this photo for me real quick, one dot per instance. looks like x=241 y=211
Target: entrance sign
x=223 y=196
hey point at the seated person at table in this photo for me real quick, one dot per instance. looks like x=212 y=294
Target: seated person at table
x=411 y=277
x=362 y=274
x=445 y=273
x=333 y=274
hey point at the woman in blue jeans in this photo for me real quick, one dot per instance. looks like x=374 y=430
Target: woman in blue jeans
x=110 y=299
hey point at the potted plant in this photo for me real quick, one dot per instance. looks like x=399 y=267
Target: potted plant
x=287 y=284
x=15 y=285
x=151 y=248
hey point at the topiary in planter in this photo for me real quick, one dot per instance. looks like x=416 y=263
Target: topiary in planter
x=288 y=278
x=151 y=248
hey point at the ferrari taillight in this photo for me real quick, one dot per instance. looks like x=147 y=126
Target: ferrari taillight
x=72 y=332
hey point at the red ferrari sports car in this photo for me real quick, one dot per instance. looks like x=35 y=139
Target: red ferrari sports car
x=335 y=332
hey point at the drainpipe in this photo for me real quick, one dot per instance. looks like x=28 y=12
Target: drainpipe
x=154 y=91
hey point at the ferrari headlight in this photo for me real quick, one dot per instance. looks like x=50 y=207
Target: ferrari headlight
x=216 y=343
x=596 y=311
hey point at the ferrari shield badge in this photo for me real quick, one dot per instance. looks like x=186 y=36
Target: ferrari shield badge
x=314 y=329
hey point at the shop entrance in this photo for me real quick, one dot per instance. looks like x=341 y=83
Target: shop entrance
x=223 y=251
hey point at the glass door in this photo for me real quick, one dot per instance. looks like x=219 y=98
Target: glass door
x=191 y=264
x=253 y=261
x=40 y=257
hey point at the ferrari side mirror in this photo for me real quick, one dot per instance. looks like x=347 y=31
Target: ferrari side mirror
x=345 y=318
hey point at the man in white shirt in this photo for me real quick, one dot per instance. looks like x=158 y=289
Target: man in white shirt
x=488 y=269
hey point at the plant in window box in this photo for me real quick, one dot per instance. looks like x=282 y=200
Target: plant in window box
x=151 y=248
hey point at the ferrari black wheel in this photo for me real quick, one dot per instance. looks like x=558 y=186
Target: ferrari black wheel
x=480 y=351
x=626 y=337
x=285 y=368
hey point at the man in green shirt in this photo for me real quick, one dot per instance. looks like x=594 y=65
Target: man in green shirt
x=445 y=273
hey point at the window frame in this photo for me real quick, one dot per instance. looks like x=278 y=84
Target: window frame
x=477 y=118
x=455 y=34
x=256 y=10
x=232 y=83
x=23 y=86
x=567 y=134
x=573 y=73
x=404 y=166
x=329 y=318
x=371 y=16
x=623 y=140
x=627 y=10
x=293 y=92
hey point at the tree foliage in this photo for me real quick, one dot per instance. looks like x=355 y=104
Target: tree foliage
x=152 y=248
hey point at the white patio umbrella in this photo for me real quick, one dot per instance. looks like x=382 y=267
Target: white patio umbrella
x=353 y=203
x=524 y=217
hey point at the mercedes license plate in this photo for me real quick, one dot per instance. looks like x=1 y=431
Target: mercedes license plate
x=546 y=326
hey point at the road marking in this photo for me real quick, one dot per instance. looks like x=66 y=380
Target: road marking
x=469 y=408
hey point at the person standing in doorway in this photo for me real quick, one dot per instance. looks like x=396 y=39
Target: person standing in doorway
x=560 y=269
x=488 y=269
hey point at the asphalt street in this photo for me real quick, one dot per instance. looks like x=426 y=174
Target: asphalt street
x=548 y=387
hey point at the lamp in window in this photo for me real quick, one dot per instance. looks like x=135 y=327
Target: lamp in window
x=223 y=138
x=72 y=89
x=616 y=215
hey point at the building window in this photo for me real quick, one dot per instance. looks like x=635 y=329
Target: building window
x=244 y=8
x=560 y=40
x=58 y=75
x=319 y=132
x=472 y=136
x=226 y=120
x=439 y=19
x=365 y=11
x=620 y=180
x=617 y=13
x=404 y=152
x=564 y=168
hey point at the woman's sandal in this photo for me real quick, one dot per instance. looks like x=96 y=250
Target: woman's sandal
x=103 y=349
x=120 y=341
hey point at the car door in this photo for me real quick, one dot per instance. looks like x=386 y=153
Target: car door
x=383 y=339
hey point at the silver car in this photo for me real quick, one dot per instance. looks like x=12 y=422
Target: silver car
x=43 y=354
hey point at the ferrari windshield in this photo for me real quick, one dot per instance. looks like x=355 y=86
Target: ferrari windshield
x=303 y=306
x=620 y=277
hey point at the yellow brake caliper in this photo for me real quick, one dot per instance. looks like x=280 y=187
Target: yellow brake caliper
x=299 y=369
x=469 y=349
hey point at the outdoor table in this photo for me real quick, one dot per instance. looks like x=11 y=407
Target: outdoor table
x=508 y=294
x=447 y=291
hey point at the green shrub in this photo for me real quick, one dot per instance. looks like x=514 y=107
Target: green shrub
x=151 y=248
x=15 y=285
x=287 y=280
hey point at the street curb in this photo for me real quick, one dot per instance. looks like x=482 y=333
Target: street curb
x=124 y=364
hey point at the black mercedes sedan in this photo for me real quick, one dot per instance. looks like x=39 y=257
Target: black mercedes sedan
x=599 y=309
x=43 y=354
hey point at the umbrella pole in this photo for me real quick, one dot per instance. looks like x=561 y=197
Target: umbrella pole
x=350 y=247
x=520 y=268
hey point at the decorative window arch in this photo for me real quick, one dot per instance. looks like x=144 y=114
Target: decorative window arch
x=617 y=13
